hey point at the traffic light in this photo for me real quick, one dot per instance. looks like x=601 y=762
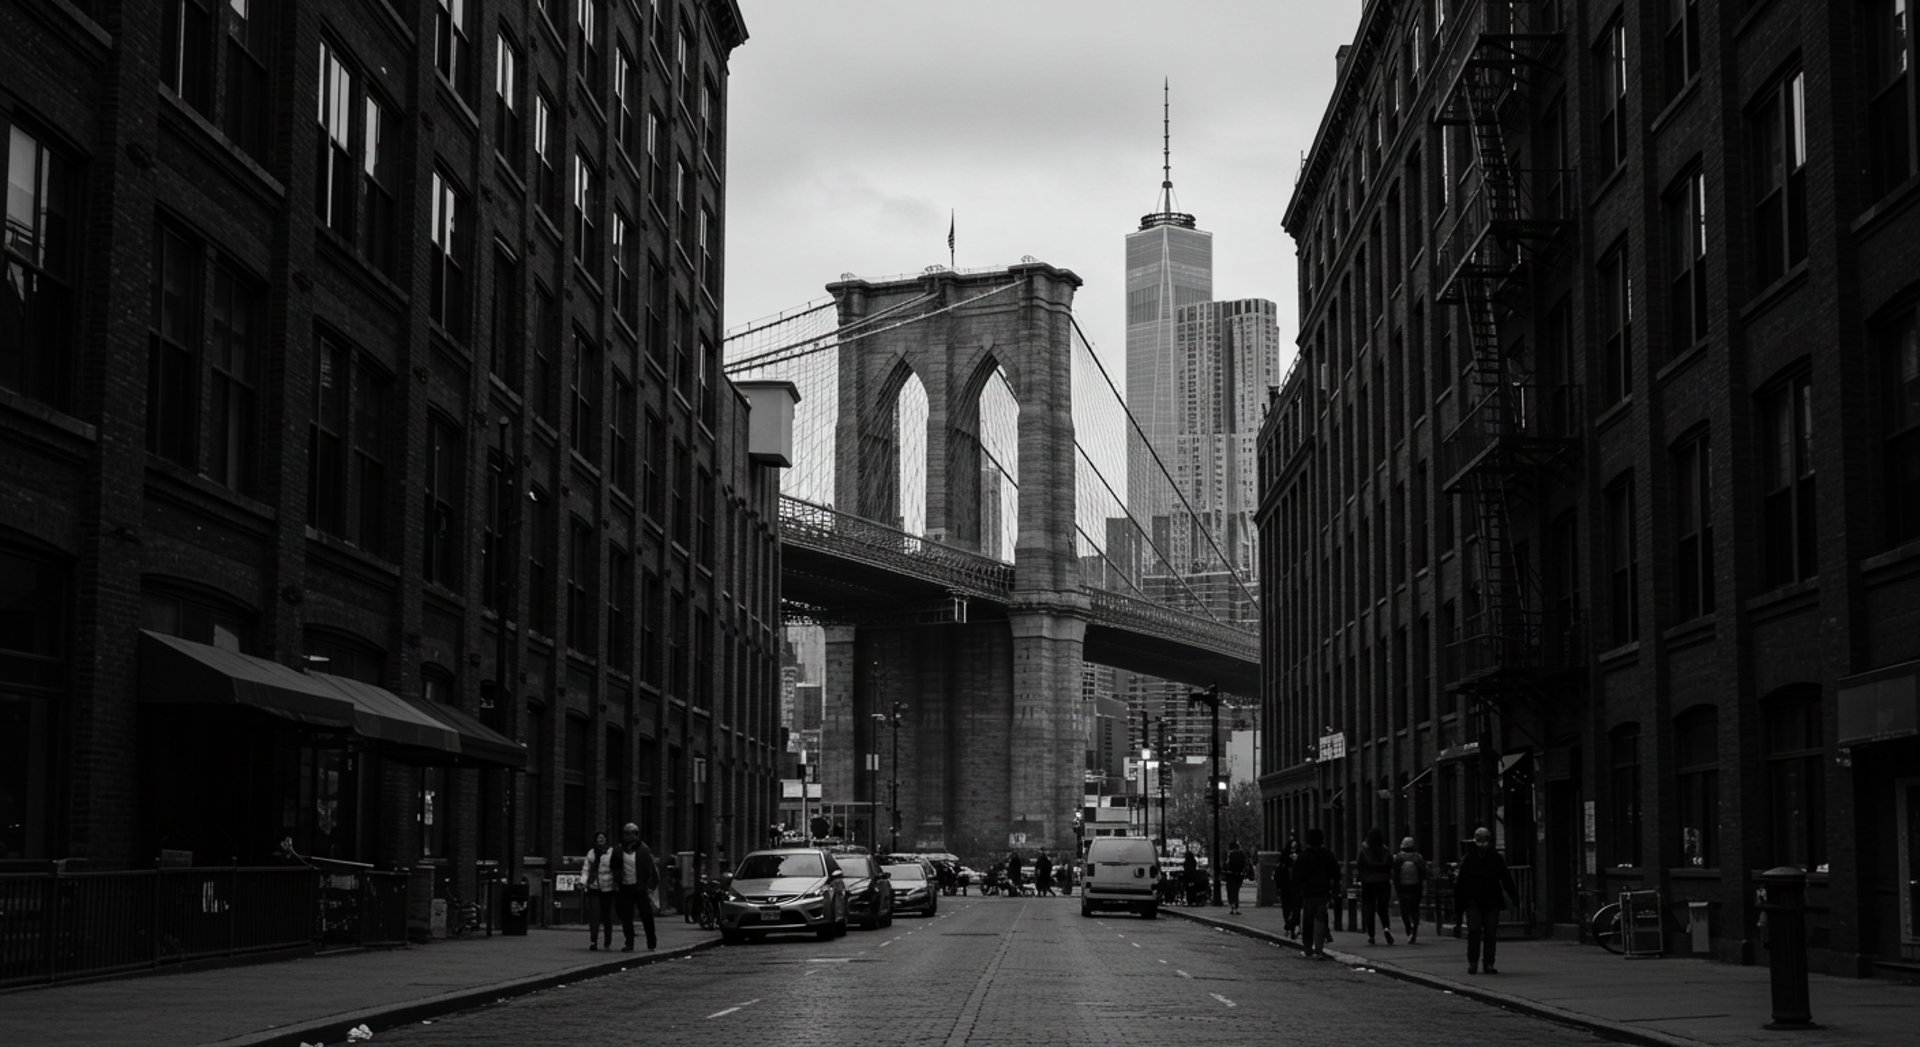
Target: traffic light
x=1218 y=783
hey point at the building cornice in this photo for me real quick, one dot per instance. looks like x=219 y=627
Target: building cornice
x=1363 y=56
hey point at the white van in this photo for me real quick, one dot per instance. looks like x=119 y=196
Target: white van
x=1121 y=872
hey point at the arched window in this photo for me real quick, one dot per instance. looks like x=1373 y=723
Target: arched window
x=1796 y=799
x=35 y=642
x=1696 y=772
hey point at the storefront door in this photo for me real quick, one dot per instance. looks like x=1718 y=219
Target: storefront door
x=1907 y=798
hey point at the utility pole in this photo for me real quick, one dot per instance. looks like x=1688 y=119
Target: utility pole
x=1163 y=785
x=898 y=708
x=1211 y=699
x=507 y=568
x=1146 y=750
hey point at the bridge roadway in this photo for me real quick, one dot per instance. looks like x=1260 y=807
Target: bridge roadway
x=845 y=568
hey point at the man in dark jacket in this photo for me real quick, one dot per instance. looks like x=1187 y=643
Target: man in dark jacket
x=634 y=874
x=1479 y=889
x=1317 y=874
x=1043 y=876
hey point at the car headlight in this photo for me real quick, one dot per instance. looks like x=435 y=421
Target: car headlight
x=734 y=896
x=916 y=892
x=818 y=890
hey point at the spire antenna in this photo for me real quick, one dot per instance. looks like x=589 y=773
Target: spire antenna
x=1165 y=214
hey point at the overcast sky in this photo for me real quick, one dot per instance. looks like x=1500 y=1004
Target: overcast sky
x=855 y=125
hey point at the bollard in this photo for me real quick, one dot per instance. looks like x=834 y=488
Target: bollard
x=1786 y=912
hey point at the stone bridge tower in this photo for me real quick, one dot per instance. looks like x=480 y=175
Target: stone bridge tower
x=992 y=743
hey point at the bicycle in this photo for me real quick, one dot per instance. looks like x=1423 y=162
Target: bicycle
x=704 y=904
x=463 y=916
x=1604 y=927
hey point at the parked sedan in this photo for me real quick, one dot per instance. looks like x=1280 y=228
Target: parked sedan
x=869 y=891
x=913 y=887
x=785 y=889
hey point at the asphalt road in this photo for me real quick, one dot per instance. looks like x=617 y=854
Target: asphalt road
x=991 y=971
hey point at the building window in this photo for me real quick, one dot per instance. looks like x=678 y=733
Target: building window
x=1686 y=214
x=682 y=203
x=657 y=312
x=1623 y=565
x=1778 y=130
x=678 y=669
x=333 y=199
x=1616 y=319
x=626 y=97
x=1788 y=553
x=703 y=520
x=1693 y=528
x=587 y=39
x=347 y=444
x=683 y=63
x=1795 y=777
x=538 y=774
x=586 y=227
x=38 y=256
x=546 y=352
x=234 y=343
x=708 y=360
x=682 y=491
x=186 y=63
x=1696 y=767
x=506 y=102
x=380 y=180
x=682 y=349
x=493 y=534
x=1613 y=97
x=546 y=151
x=1623 y=794
x=620 y=434
x=707 y=258
x=172 y=379
x=541 y=520
x=452 y=50
x=656 y=159
x=1682 y=50
x=709 y=120
x=248 y=99
x=506 y=330
x=452 y=235
x=585 y=392
x=613 y=775
x=650 y=629
x=619 y=606
x=656 y=468
x=1890 y=107
x=34 y=650
x=573 y=788
x=581 y=625
x=1900 y=425
x=626 y=262
x=440 y=560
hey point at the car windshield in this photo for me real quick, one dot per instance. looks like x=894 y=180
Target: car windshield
x=1121 y=851
x=906 y=872
x=855 y=867
x=775 y=866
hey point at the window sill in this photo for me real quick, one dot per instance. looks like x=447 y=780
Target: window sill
x=1692 y=631
x=588 y=281
x=1688 y=357
x=216 y=146
x=1788 y=598
x=545 y=225
x=1755 y=9
x=1771 y=294
x=338 y=546
x=205 y=487
x=1625 y=654
x=1694 y=872
x=1678 y=102
x=585 y=91
x=461 y=107
x=1905 y=555
x=49 y=416
x=1606 y=185
x=1612 y=415
x=1893 y=203
x=503 y=166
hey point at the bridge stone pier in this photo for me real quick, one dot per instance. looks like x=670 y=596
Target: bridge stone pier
x=992 y=739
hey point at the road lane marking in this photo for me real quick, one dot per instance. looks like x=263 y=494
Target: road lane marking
x=730 y=1010
x=1134 y=944
x=1180 y=972
x=1163 y=962
x=1223 y=999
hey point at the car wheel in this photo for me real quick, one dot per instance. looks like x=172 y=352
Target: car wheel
x=1085 y=908
x=1150 y=912
x=887 y=920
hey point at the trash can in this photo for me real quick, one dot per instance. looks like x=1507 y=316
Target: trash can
x=1697 y=928
x=515 y=902
x=1265 y=891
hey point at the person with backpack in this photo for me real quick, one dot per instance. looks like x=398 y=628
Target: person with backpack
x=1373 y=867
x=1317 y=875
x=1235 y=874
x=1409 y=883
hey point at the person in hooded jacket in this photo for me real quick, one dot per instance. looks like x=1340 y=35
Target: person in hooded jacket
x=1373 y=867
x=1409 y=883
x=1480 y=886
x=596 y=875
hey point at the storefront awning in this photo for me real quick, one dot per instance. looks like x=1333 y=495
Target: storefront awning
x=176 y=671
x=1880 y=705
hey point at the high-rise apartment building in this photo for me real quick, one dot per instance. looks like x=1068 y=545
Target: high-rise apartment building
x=371 y=479
x=1227 y=356
x=1590 y=510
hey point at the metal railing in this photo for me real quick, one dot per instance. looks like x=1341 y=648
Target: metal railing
x=828 y=530
x=356 y=904
x=1159 y=619
x=56 y=925
x=1523 y=640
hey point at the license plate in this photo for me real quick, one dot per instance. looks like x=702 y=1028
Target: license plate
x=770 y=915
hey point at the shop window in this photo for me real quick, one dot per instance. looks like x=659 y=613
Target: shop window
x=1696 y=743
x=1795 y=776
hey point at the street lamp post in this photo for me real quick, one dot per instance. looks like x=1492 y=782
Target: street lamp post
x=873 y=802
x=1211 y=699
x=894 y=829
x=1163 y=784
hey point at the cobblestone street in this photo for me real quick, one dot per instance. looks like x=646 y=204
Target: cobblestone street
x=990 y=972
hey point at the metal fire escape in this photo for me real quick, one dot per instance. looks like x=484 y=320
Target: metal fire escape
x=1510 y=224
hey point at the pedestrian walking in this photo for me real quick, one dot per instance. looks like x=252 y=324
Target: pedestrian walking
x=1373 y=867
x=1409 y=883
x=1480 y=887
x=1236 y=874
x=1043 y=875
x=1316 y=873
x=634 y=874
x=1285 y=888
x=1189 y=877
x=596 y=875
x=1013 y=873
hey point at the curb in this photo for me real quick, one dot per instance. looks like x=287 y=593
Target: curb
x=1617 y=1031
x=334 y=1029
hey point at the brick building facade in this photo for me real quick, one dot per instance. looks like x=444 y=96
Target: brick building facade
x=342 y=337
x=1591 y=296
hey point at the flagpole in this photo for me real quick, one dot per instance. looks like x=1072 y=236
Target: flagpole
x=950 y=264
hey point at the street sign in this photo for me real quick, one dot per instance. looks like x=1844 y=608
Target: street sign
x=1016 y=839
x=1333 y=746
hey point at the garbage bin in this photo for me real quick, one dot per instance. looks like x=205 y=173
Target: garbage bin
x=1264 y=892
x=1697 y=928
x=515 y=902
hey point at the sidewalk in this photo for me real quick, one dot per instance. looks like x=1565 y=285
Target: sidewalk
x=1672 y=1002
x=317 y=999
